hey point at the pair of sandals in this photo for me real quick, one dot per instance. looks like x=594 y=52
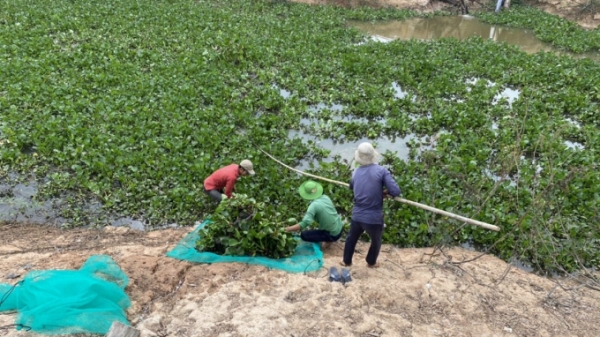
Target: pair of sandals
x=335 y=276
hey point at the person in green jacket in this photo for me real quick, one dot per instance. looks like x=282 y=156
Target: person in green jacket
x=321 y=211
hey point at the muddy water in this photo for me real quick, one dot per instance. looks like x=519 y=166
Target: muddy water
x=459 y=27
x=19 y=203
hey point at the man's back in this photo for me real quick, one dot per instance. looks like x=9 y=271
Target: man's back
x=367 y=184
x=323 y=212
x=222 y=178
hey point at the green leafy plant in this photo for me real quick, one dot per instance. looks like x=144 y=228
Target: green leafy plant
x=241 y=226
x=135 y=103
x=553 y=29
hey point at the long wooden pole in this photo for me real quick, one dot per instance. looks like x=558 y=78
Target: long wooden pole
x=405 y=201
x=448 y=214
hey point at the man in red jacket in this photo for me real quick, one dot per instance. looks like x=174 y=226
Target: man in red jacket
x=225 y=178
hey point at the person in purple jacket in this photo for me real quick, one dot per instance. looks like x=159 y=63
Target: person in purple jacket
x=370 y=183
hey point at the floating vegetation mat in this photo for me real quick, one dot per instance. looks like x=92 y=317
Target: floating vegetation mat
x=134 y=103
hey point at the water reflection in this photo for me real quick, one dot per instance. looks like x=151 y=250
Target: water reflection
x=509 y=94
x=322 y=106
x=345 y=149
x=283 y=92
x=573 y=122
x=573 y=145
x=399 y=93
x=19 y=204
x=459 y=27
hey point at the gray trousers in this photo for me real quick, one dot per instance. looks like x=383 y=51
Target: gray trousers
x=214 y=195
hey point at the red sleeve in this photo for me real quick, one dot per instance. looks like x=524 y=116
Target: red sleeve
x=229 y=186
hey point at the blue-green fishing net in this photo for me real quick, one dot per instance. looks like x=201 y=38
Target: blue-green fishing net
x=56 y=302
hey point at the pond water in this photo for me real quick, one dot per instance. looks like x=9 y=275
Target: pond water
x=459 y=27
x=19 y=203
x=345 y=149
x=310 y=127
x=341 y=147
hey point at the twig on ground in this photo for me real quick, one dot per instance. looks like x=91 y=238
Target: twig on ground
x=508 y=267
x=457 y=269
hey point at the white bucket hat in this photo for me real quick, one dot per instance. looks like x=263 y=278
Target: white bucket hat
x=247 y=165
x=365 y=154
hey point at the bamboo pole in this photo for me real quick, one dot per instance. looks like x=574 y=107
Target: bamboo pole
x=304 y=173
x=448 y=214
x=405 y=201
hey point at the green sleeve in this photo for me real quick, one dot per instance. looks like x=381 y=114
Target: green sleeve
x=309 y=217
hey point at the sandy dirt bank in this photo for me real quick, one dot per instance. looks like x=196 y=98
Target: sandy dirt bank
x=412 y=294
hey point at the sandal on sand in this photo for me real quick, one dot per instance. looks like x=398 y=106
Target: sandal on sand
x=346 y=276
x=345 y=265
x=376 y=265
x=334 y=276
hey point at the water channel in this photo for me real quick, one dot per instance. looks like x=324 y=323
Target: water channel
x=458 y=27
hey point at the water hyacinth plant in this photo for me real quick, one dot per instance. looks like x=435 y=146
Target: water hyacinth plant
x=136 y=103
x=549 y=28
x=243 y=227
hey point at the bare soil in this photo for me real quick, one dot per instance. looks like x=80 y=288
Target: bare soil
x=411 y=294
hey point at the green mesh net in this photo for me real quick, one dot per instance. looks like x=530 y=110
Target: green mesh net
x=56 y=302
x=307 y=257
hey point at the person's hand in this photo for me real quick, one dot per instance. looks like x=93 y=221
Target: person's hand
x=293 y=228
x=386 y=194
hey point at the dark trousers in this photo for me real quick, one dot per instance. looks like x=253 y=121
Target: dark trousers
x=356 y=229
x=214 y=195
x=318 y=235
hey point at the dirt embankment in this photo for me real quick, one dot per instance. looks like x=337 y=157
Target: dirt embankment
x=411 y=294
